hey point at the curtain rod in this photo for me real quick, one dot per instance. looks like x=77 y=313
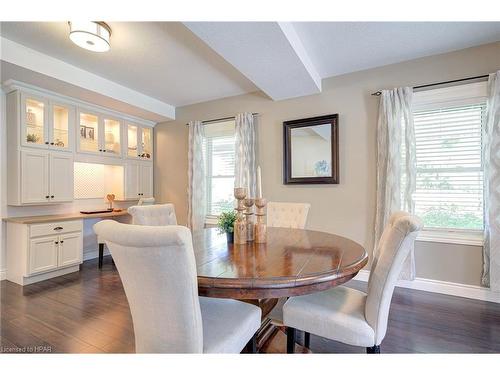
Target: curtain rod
x=378 y=93
x=221 y=119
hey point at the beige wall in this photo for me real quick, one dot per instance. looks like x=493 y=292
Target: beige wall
x=347 y=209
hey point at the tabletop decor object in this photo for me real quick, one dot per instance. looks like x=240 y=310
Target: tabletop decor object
x=110 y=198
x=260 y=226
x=240 y=225
x=225 y=224
x=249 y=202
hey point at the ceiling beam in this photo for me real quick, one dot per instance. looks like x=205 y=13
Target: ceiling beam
x=28 y=58
x=270 y=54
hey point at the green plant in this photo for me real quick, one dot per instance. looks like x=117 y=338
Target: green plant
x=32 y=138
x=226 y=220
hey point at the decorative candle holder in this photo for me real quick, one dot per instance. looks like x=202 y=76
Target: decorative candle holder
x=260 y=226
x=240 y=227
x=248 y=202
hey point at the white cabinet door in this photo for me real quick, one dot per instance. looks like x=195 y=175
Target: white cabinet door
x=61 y=126
x=89 y=133
x=43 y=254
x=132 y=141
x=61 y=177
x=146 y=143
x=146 y=183
x=132 y=171
x=70 y=249
x=112 y=137
x=34 y=121
x=34 y=177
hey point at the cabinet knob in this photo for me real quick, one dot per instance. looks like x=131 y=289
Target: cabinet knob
x=57 y=242
x=47 y=196
x=46 y=143
x=103 y=150
x=62 y=241
x=58 y=228
x=52 y=196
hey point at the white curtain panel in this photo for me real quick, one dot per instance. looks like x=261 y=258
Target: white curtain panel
x=196 y=177
x=491 y=164
x=245 y=146
x=396 y=173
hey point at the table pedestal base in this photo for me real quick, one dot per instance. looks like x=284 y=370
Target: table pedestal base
x=276 y=344
x=270 y=338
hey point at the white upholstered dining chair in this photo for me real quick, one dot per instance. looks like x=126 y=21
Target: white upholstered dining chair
x=158 y=271
x=287 y=215
x=349 y=315
x=157 y=214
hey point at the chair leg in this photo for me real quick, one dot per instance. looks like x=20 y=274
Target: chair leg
x=101 y=254
x=251 y=346
x=307 y=340
x=290 y=340
x=373 y=350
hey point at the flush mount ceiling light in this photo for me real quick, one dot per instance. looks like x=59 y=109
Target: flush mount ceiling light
x=91 y=35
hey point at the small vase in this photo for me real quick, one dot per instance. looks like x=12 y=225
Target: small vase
x=230 y=237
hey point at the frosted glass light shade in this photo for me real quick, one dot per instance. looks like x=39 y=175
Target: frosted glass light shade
x=90 y=35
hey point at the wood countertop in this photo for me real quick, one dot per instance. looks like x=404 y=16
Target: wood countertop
x=62 y=217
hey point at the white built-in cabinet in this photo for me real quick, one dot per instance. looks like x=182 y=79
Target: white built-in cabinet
x=40 y=251
x=138 y=180
x=45 y=177
x=47 y=133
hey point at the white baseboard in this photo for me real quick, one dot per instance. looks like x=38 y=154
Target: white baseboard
x=442 y=287
x=3 y=275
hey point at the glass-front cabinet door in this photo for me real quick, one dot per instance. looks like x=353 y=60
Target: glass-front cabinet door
x=62 y=120
x=34 y=116
x=112 y=137
x=88 y=133
x=132 y=141
x=139 y=142
x=147 y=143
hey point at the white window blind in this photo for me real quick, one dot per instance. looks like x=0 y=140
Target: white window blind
x=449 y=180
x=219 y=155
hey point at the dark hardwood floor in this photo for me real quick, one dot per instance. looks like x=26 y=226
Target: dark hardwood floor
x=87 y=312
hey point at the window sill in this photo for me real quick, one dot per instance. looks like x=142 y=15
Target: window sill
x=211 y=220
x=472 y=238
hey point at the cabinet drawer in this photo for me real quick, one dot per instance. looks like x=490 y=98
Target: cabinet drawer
x=55 y=228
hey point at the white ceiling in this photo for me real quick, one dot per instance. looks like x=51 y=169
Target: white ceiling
x=175 y=64
x=270 y=54
x=163 y=60
x=343 y=47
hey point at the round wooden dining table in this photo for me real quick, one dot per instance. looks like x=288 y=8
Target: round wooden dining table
x=292 y=262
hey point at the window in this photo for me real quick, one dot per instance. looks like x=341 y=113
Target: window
x=219 y=157
x=449 y=180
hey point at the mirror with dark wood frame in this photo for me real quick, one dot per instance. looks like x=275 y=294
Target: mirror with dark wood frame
x=310 y=150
